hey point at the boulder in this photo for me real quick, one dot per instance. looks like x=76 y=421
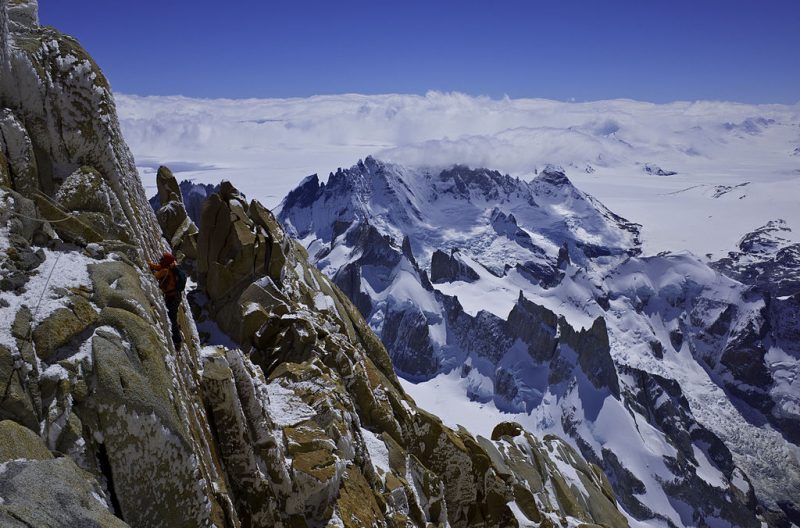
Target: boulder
x=88 y=198
x=62 y=325
x=18 y=442
x=25 y=221
x=19 y=260
x=509 y=429
x=86 y=190
x=53 y=493
x=117 y=284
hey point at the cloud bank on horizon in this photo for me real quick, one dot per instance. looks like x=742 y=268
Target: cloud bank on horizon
x=736 y=165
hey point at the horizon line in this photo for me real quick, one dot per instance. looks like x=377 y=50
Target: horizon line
x=451 y=93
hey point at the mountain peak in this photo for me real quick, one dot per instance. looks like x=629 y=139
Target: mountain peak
x=304 y=194
x=467 y=183
x=553 y=175
x=766 y=239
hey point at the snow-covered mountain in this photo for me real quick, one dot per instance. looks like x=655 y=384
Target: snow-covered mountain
x=532 y=298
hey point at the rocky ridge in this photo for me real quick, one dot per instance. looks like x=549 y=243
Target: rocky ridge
x=767 y=378
x=104 y=423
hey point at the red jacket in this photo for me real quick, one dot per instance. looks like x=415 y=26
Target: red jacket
x=167 y=281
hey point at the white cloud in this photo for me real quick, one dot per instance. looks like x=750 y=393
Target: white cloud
x=266 y=146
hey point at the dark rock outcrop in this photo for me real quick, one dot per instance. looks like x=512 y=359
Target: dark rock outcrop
x=450 y=268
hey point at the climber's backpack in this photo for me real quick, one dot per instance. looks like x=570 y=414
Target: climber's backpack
x=180 y=280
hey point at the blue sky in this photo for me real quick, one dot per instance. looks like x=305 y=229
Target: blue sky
x=658 y=51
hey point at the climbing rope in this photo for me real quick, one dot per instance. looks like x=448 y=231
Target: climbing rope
x=68 y=217
x=17 y=368
x=41 y=295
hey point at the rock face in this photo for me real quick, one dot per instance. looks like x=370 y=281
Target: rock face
x=62 y=103
x=449 y=268
x=104 y=423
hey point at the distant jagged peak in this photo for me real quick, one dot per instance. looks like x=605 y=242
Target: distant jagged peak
x=554 y=174
x=767 y=239
x=401 y=200
x=360 y=175
x=304 y=194
x=374 y=176
x=464 y=182
x=766 y=258
x=552 y=179
x=361 y=179
x=751 y=125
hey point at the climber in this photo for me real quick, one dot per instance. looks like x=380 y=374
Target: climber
x=171 y=279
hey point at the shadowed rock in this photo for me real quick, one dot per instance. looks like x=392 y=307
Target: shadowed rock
x=450 y=268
